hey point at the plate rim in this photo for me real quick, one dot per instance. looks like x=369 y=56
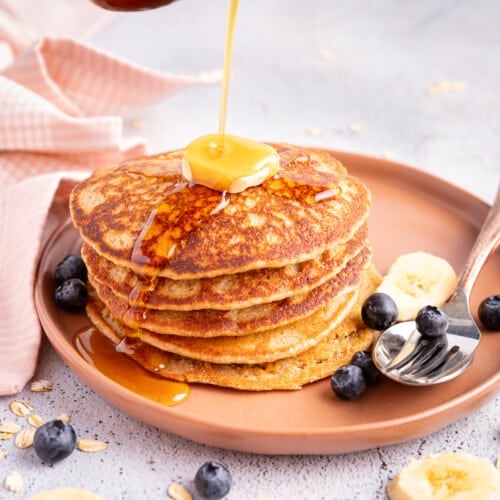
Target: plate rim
x=477 y=395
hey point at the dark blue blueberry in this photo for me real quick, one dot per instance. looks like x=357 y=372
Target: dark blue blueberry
x=213 y=481
x=348 y=382
x=54 y=441
x=72 y=266
x=72 y=295
x=489 y=312
x=364 y=360
x=431 y=321
x=379 y=311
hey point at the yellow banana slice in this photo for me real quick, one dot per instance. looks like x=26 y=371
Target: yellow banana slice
x=66 y=494
x=447 y=476
x=416 y=280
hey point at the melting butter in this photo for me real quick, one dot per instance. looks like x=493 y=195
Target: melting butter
x=228 y=163
x=225 y=162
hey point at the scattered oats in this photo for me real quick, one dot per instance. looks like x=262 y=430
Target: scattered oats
x=13 y=482
x=20 y=407
x=355 y=127
x=24 y=438
x=446 y=86
x=178 y=492
x=41 y=386
x=458 y=86
x=64 y=417
x=3 y=453
x=435 y=89
x=90 y=445
x=5 y=435
x=326 y=54
x=138 y=124
x=9 y=427
x=314 y=131
x=388 y=154
x=35 y=420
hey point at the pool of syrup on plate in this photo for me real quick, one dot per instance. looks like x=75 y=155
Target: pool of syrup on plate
x=100 y=353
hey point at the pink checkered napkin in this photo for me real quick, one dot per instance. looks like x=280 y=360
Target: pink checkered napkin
x=60 y=107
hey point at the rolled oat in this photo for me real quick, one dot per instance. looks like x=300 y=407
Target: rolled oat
x=90 y=445
x=178 y=492
x=41 y=385
x=20 y=407
x=24 y=438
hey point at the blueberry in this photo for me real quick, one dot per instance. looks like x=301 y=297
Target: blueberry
x=431 y=321
x=364 y=360
x=489 y=312
x=379 y=311
x=72 y=266
x=54 y=441
x=72 y=295
x=213 y=481
x=348 y=382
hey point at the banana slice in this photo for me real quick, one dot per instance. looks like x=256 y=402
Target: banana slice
x=66 y=494
x=416 y=280
x=446 y=476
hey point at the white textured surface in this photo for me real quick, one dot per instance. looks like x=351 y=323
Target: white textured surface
x=288 y=86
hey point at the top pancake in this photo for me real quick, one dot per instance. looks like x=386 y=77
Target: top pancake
x=144 y=216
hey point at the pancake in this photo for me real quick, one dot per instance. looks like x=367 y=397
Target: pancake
x=233 y=291
x=143 y=215
x=318 y=362
x=223 y=292
x=253 y=319
x=258 y=290
x=261 y=347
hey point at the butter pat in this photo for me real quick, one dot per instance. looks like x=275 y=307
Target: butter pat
x=228 y=163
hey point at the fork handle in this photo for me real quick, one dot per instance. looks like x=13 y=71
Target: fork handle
x=486 y=241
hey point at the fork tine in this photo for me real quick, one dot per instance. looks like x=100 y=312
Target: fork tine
x=454 y=358
x=458 y=367
x=421 y=347
x=430 y=359
x=409 y=358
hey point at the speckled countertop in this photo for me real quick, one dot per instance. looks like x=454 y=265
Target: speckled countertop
x=416 y=81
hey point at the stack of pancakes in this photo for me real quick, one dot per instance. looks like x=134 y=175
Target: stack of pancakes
x=257 y=290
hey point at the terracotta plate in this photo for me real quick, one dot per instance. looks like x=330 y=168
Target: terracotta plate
x=411 y=211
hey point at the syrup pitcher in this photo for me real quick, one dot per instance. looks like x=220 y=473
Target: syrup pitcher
x=130 y=5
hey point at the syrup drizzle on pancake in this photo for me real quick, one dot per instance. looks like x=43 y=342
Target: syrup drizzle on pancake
x=186 y=206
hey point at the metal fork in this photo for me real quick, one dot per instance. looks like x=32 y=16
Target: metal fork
x=404 y=355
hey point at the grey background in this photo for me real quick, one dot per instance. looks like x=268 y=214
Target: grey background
x=387 y=53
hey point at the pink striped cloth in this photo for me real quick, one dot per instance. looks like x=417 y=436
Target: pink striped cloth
x=60 y=108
